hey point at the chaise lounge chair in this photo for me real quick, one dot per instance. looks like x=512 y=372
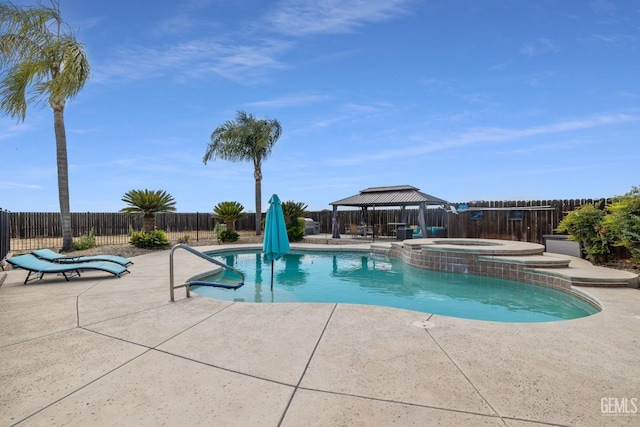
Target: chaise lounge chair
x=49 y=255
x=39 y=267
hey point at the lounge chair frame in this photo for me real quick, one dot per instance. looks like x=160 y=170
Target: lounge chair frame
x=38 y=268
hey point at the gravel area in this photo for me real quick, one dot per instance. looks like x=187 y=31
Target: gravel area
x=129 y=251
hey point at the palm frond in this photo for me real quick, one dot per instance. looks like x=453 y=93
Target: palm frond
x=38 y=62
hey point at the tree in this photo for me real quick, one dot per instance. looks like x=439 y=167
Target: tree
x=229 y=212
x=245 y=139
x=148 y=203
x=39 y=62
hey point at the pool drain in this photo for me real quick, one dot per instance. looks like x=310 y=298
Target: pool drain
x=424 y=324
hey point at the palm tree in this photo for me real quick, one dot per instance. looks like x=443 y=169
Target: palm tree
x=246 y=139
x=229 y=212
x=38 y=62
x=148 y=203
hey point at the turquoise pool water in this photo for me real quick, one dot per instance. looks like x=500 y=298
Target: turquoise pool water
x=359 y=278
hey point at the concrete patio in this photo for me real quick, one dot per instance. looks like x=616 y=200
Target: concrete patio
x=99 y=350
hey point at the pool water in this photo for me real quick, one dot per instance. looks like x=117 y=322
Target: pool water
x=360 y=278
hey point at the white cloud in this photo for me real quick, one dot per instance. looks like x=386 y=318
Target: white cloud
x=11 y=128
x=490 y=135
x=6 y=184
x=305 y=17
x=193 y=59
x=616 y=40
x=539 y=47
x=245 y=56
x=292 y=100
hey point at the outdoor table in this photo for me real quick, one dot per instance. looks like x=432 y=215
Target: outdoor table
x=365 y=230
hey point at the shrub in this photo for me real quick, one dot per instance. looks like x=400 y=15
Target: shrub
x=228 y=236
x=295 y=230
x=624 y=221
x=292 y=212
x=86 y=241
x=155 y=239
x=586 y=225
x=184 y=239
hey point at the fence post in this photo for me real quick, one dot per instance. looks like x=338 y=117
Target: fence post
x=5 y=233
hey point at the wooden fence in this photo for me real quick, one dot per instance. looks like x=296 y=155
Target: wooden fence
x=526 y=221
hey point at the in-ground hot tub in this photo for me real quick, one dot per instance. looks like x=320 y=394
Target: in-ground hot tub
x=519 y=261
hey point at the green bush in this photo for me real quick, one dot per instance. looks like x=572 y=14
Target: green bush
x=293 y=210
x=624 y=221
x=586 y=225
x=600 y=228
x=86 y=241
x=228 y=236
x=155 y=239
x=295 y=230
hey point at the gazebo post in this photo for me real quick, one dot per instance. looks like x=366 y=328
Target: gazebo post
x=335 y=231
x=422 y=218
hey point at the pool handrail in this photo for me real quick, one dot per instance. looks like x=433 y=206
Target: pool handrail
x=205 y=257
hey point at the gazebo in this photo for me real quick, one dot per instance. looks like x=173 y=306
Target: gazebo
x=398 y=195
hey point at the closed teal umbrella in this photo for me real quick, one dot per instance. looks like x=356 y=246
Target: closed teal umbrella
x=276 y=241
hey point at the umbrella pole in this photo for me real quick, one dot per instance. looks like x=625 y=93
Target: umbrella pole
x=271 y=275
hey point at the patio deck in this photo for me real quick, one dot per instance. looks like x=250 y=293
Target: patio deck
x=102 y=351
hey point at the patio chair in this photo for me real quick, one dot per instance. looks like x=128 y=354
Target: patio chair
x=353 y=230
x=417 y=233
x=39 y=267
x=51 y=256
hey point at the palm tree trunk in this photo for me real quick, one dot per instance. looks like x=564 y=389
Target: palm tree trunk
x=149 y=223
x=258 y=207
x=63 y=175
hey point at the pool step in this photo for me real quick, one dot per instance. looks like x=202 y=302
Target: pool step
x=592 y=276
x=577 y=272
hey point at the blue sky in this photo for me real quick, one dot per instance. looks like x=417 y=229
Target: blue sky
x=466 y=100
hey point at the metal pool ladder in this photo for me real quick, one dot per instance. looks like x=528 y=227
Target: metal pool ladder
x=205 y=257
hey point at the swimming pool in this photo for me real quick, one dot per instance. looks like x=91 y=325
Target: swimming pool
x=363 y=278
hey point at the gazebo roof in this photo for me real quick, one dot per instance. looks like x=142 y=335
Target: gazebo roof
x=397 y=195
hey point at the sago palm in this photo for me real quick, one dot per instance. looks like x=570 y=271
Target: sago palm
x=229 y=212
x=40 y=62
x=293 y=210
x=148 y=203
x=246 y=139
